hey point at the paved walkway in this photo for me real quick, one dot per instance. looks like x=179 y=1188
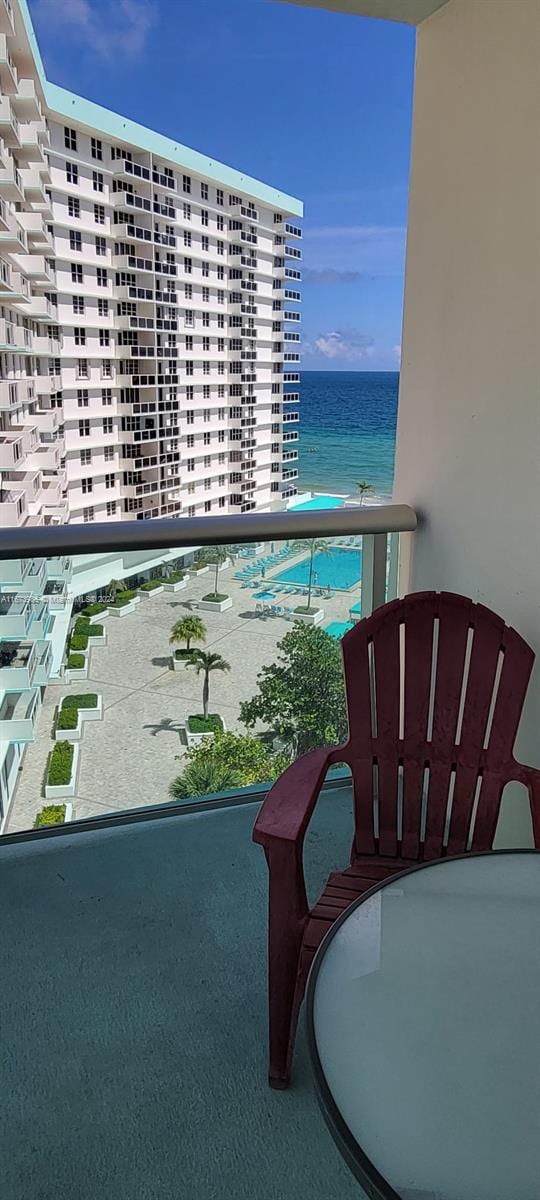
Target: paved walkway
x=129 y=758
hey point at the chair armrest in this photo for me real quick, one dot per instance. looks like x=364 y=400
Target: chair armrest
x=285 y=813
x=530 y=776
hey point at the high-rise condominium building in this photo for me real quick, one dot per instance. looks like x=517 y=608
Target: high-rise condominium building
x=150 y=319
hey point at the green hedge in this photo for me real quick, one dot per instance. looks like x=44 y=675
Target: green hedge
x=50 y=814
x=93 y=610
x=68 y=713
x=95 y=631
x=76 y=662
x=122 y=599
x=174 y=577
x=196 y=723
x=216 y=597
x=59 y=764
x=82 y=625
x=151 y=585
x=78 y=641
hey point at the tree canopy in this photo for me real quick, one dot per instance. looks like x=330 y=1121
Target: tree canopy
x=225 y=761
x=302 y=694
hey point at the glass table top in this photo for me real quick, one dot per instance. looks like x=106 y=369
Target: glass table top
x=424 y=1019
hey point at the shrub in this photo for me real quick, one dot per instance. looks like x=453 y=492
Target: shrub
x=306 y=608
x=94 y=631
x=78 y=641
x=184 y=653
x=82 y=625
x=76 y=662
x=150 y=585
x=84 y=700
x=210 y=724
x=59 y=764
x=50 y=814
x=174 y=577
x=67 y=718
x=93 y=610
x=215 y=597
x=122 y=599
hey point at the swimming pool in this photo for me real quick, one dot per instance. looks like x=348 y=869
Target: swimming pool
x=336 y=629
x=318 y=502
x=340 y=569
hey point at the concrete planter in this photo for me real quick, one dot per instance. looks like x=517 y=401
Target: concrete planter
x=215 y=605
x=313 y=618
x=202 y=571
x=224 y=565
x=123 y=612
x=97 y=641
x=65 y=790
x=71 y=675
x=175 y=587
x=146 y=595
x=69 y=813
x=196 y=739
x=179 y=664
x=84 y=714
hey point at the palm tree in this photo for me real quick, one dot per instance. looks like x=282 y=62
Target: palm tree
x=188 y=629
x=217 y=556
x=204 y=664
x=201 y=778
x=313 y=546
x=364 y=488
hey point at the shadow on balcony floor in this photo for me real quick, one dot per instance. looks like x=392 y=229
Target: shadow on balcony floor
x=133 y=1009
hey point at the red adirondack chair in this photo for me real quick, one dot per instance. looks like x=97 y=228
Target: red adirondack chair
x=435 y=687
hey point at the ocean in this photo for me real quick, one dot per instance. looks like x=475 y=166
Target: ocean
x=347 y=430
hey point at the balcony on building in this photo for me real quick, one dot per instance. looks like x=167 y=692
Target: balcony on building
x=18 y=715
x=24 y=663
x=7 y=22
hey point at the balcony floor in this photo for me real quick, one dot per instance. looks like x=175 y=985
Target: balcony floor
x=134 y=1017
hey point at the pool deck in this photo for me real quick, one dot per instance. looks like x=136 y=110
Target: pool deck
x=131 y=756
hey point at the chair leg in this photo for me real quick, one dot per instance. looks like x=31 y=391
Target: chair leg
x=285 y=998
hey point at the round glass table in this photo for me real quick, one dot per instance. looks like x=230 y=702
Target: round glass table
x=423 y=1010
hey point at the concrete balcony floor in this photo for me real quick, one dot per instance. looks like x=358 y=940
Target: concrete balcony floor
x=134 y=1016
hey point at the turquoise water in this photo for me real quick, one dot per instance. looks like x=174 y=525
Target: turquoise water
x=339 y=569
x=320 y=502
x=337 y=629
x=347 y=430
x=263 y=596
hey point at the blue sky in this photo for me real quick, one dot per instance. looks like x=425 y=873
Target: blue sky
x=315 y=103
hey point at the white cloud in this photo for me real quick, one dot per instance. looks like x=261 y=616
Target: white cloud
x=349 y=346
x=396 y=351
x=120 y=28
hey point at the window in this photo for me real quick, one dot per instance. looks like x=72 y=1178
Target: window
x=106 y=369
x=207 y=460
x=220 y=296
x=110 y=480
x=86 y=457
x=206 y=439
x=219 y=195
x=99 y=214
x=111 y=508
x=205 y=270
x=70 y=138
x=204 y=216
x=221 y=247
x=96 y=148
x=220 y=222
x=221 y=368
x=189 y=368
x=204 y=191
x=88 y=514
x=76 y=273
x=221 y=345
x=206 y=368
x=78 y=304
x=82 y=368
x=72 y=172
x=101 y=245
x=221 y=502
x=74 y=206
x=107 y=424
x=103 y=308
x=206 y=391
x=80 y=336
x=187 y=211
x=75 y=240
x=221 y=321
x=221 y=435
x=205 y=242
x=221 y=458
x=82 y=397
x=108 y=453
x=97 y=181
x=205 y=295
x=106 y=396
x=189 y=341
x=87 y=485
x=104 y=337
x=190 y=464
x=188 y=266
x=206 y=414
x=190 y=416
x=188 y=291
x=189 y=391
x=221 y=395
x=191 y=510
x=101 y=277
x=206 y=344
x=221 y=272
x=187 y=237
x=206 y=320
x=186 y=183
x=190 y=441
x=84 y=428
x=207 y=504
x=188 y=317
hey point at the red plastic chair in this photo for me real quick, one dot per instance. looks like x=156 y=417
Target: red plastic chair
x=435 y=688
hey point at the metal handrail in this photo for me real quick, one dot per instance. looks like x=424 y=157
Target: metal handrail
x=161 y=534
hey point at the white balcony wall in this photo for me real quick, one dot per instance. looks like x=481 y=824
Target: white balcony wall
x=468 y=446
